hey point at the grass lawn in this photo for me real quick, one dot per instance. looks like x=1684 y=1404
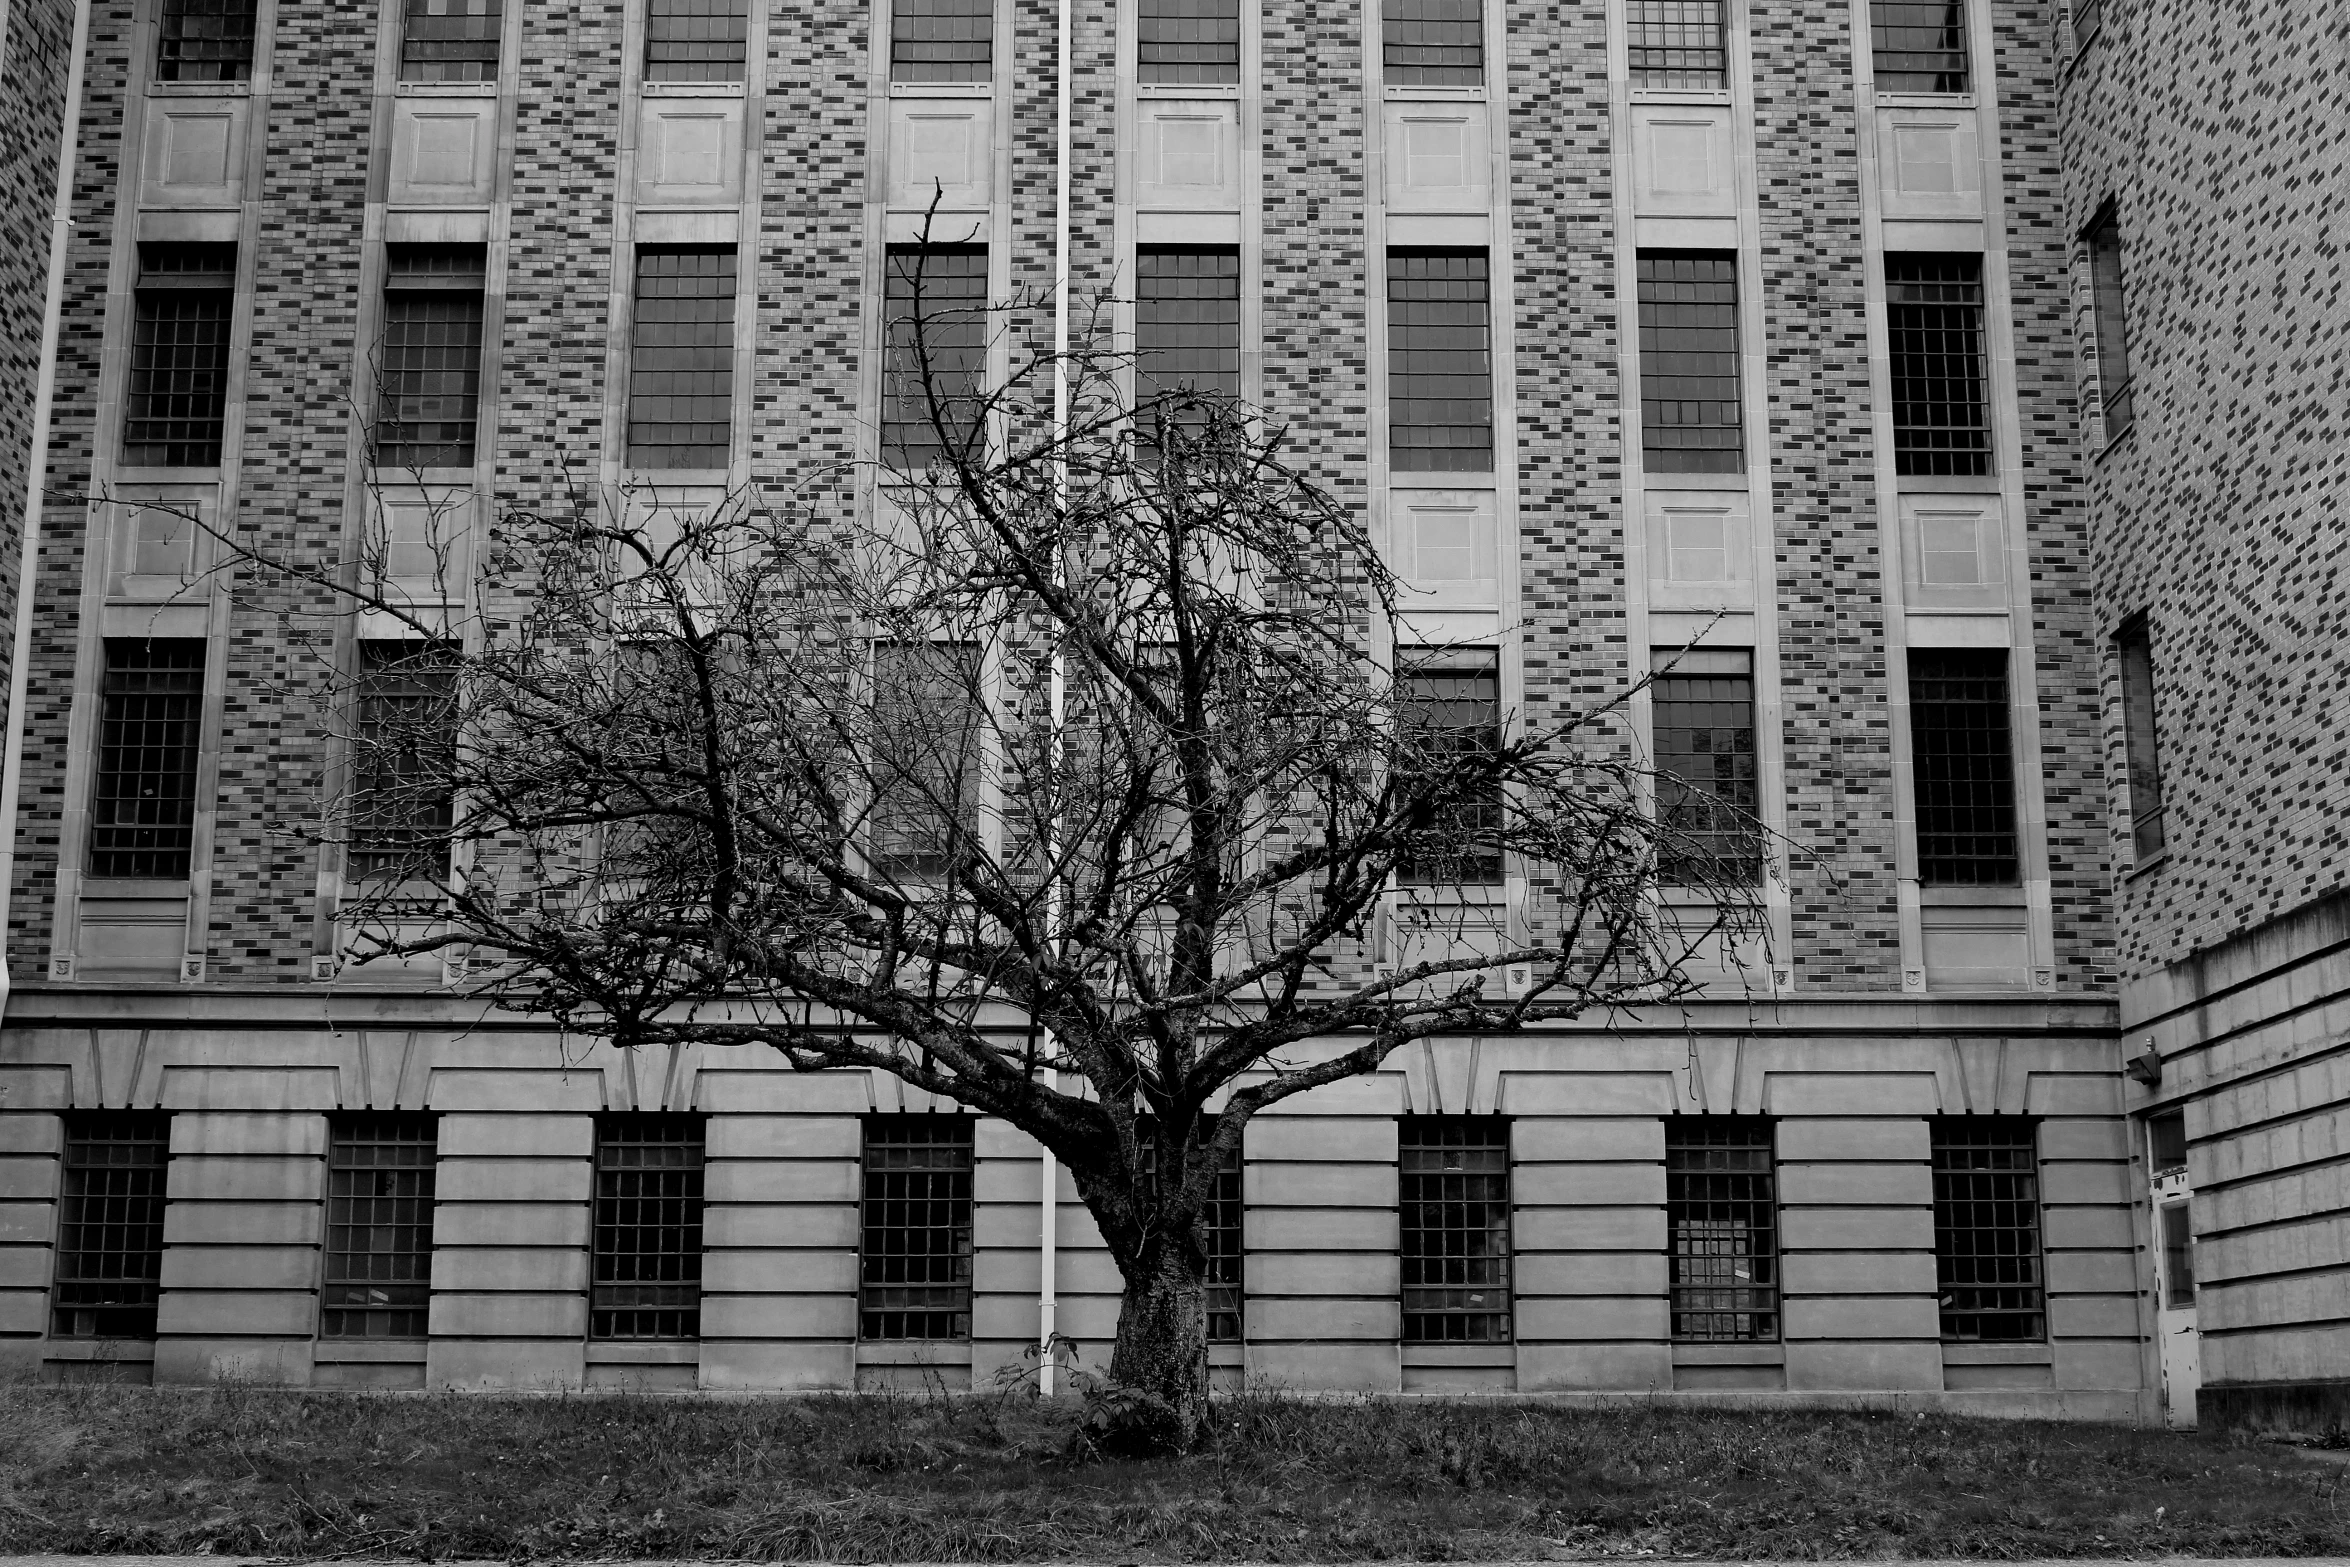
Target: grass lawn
x=906 y=1478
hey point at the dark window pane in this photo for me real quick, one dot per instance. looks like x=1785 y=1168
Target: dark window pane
x=143 y=808
x=1708 y=792
x=2178 y=1257
x=1722 y=1211
x=2166 y=1137
x=204 y=41
x=648 y=1228
x=941 y=40
x=1439 y=362
x=934 y=303
x=1987 y=1230
x=110 y=1224
x=429 y=375
x=2149 y=831
x=1964 y=764
x=1433 y=43
x=1188 y=40
x=1934 y=318
x=1456 y=1229
x=450 y=41
x=403 y=761
x=2112 y=319
x=1446 y=715
x=379 y=1197
x=1677 y=43
x=177 y=397
x=681 y=369
x=695 y=40
x=1187 y=320
x=926 y=756
x=1689 y=397
x=914 y=1263
x=1919 y=45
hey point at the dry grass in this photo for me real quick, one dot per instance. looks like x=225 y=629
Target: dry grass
x=898 y=1478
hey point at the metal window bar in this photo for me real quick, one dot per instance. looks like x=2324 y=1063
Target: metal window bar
x=1689 y=395
x=949 y=284
x=1187 y=320
x=1987 y=1230
x=143 y=807
x=696 y=40
x=681 y=363
x=2134 y=644
x=110 y=1225
x=1188 y=40
x=1439 y=361
x=914 y=1258
x=1708 y=788
x=176 y=401
x=1941 y=407
x=1432 y=43
x=927 y=753
x=1963 y=761
x=1456 y=1229
x=1677 y=43
x=2112 y=323
x=1919 y=45
x=204 y=41
x=648 y=1228
x=1722 y=1211
x=1445 y=713
x=402 y=805
x=379 y=1211
x=429 y=373
x=941 y=40
x=451 y=41
x=1226 y=1252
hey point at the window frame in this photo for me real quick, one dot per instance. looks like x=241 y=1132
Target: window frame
x=1486 y=868
x=405 y=288
x=232 y=66
x=118 y=787
x=1940 y=364
x=875 y=1320
x=1432 y=389
x=981 y=68
x=656 y=384
x=2141 y=715
x=2109 y=319
x=1940 y=771
x=1459 y=1262
x=130 y=1273
x=417 y=65
x=395 y=1130
x=1452 y=74
x=1957 y=23
x=1663 y=368
x=957 y=334
x=2024 y=1245
x=1736 y=852
x=728 y=55
x=1761 y=1320
x=1673 y=74
x=190 y=285
x=378 y=846
x=1209 y=68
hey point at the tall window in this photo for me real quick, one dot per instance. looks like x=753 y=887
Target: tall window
x=429 y=380
x=1708 y=787
x=110 y=1230
x=143 y=809
x=379 y=1198
x=2135 y=645
x=927 y=755
x=204 y=41
x=914 y=1262
x=2113 y=334
x=1919 y=45
x=401 y=807
x=1722 y=1211
x=695 y=40
x=1226 y=1258
x=1689 y=419
x=1963 y=761
x=1456 y=1229
x=934 y=305
x=1677 y=43
x=648 y=1228
x=1439 y=361
x=1187 y=319
x=941 y=40
x=681 y=369
x=1188 y=40
x=1987 y=1229
x=1934 y=316
x=1433 y=43
x=1448 y=714
x=177 y=398
x=451 y=41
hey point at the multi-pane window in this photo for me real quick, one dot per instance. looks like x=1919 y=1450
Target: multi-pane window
x=1187 y=40
x=379 y=1196
x=934 y=307
x=1439 y=361
x=143 y=808
x=2134 y=644
x=204 y=41
x=1934 y=319
x=1224 y=1238
x=177 y=396
x=681 y=365
x=941 y=40
x=1987 y=1230
x=429 y=375
x=1963 y=762
x=2112 y=319
x=926 y=755
x=2178 y=1255
x=696 y=40
x=110 y=1230
x=914 y=1262
x=1456 y=1229
x=402 y=761
x=648 y=1228
x=1919 y=45
x=1187 y=320
x=1708 y=790
x=1448 y=714
x=1677 y=43
x=451 y=41
x=1433 y=43
x=2166 y=1143
x=1689 y=401
x=1722 y=1218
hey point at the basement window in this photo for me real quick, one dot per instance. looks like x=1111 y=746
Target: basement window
x=1456 y=1229
x=648 y=1228
x=1722 y=1211
x=379 y=1200
x=110 y=1232
x=914 y=1260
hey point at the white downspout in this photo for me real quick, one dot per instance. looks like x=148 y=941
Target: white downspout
x=1048 y=1196
x=36 y=469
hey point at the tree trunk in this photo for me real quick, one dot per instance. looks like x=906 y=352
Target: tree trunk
x=1158 y=1399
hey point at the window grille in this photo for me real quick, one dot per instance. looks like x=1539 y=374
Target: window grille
x=143 y=808
x=2134 y=644
x=1226 y=1256
x=1449 y=713
x=1456 y=1229
x=1689 y=395
x=1919 y=45
x=1708 y=787
x=2112 y=321
x=941 y=40
x=1677 y=43
x=1187 y=320
x=401 y=803
x=648 y=1237
x=1188 y=40
x=429 y=386
x=1941 y=415
x=951 y=282
x=204 y=41
x=379 y=1200
x=927 y=754
x=1987 y=1230
x=1964 y=765
x=177 y=397
x=1722 y=1207
x=681 y=366
x=1433 y=43
x=915 y=1258
x=1439 y=361
x=451 y=41
x=110 y=1230
x=696 y=40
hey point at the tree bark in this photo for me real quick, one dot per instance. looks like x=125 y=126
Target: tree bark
x=1158 y=1398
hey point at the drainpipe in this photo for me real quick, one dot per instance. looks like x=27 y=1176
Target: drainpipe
x=36 y=467
x=1048 y=1195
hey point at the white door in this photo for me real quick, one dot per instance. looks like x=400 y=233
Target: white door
x=2174 y=1269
